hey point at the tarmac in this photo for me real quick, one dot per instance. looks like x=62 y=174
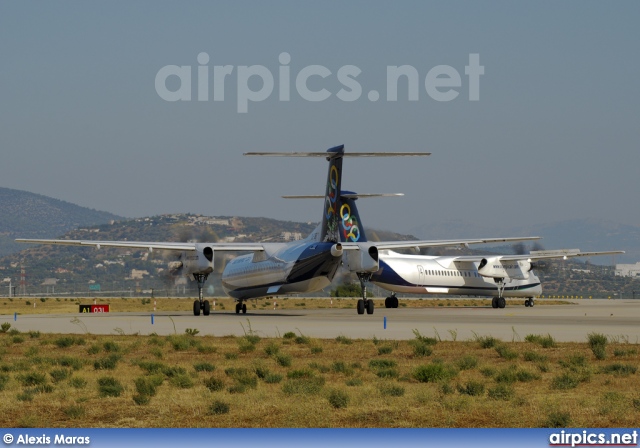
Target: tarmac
x=566 y=323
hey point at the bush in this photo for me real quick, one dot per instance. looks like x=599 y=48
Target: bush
x=487 y=341
x=534 y=357
x=4 y=379
x=111 y=346
x=596 y=339
x=74 y=411
x=182 y=381
x=32 y=379
x=344 y=340
x=5 y=327
x=434 y=372
x=392 y=391
x=109 y=387
x=473 y=388
x=505 y=352
x=204 y=367
x=557 y=419
x=423 y=339
x=467 y=362
x=382 y=363
x=303 y=373
x=148 y=385
x=385 y=350
x=214 y=384
x=152 y=366
x=338 y=399
x=58 y=375
x=421 y=350
x=564 y=381
x=289 y=335
x=272 y=349
x=218 y=408
x=620 y=369
x=356 y=382
x=77 y=382
x=387 y=373
x=283 y=359
x=544 y=341
x=272 y=378
x=70 y=361
x=599 y=351
x=501 y=392
x=108 y=363
x=341 y=367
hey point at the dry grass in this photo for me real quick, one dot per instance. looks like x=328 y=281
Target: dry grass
x=190 y=381
x=61 y=305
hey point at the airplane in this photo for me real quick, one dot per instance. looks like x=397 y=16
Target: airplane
x=499 y=276
x=270 y=268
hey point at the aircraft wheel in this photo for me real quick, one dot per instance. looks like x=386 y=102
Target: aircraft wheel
x=531 y=302
x=196 y=307
x=206 y=308
x=395 y=302
x=527 y=303
x=360 y=306
x=502 y=302
x=388 y=302
x=369 y=306
x=494 y=302
x=237 y=308
x=244 y=308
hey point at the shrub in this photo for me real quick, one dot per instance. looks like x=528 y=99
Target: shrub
x=434 y=372
x=534 y=357
x=32 y=379
x=544 y=341
x=283 y=359
x=74 y=411
x=385 y=350
x=473 y=388
x=557 y=419
x=204 y=367
x=599 y=351
x=344 y=340
x=505 y=352
x=501 y=392
x=152 y=366
x=341 y=367
x=182 y=381
x=316 y=349
x=70 y=361
x=338 y=399
x=392 y=391
x=58 y=375
x=94 y=349
x=467 y=362
x=109 y=387
x=564 y=381
x=289 y=335
x=382 y=363
x=108 y=363
x=486 y=341
x=214 y=384
x=387 y=373
x=303 y=373
x=110 y=346
x=421 y=350
x=64 y=342
x=354 y=382
x=148 y=385
x=596 y=339
x=218 y=408
x=5 y=327
x=620 y=369
x=272 y=349
x=488 y=371
x=4 y=379
x=272 y=378
x=77 y=382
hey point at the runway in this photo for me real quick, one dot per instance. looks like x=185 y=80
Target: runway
x=568 y=323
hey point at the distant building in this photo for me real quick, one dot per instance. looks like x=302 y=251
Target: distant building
x=137 y=274
x=628 y=270
x=291 y=236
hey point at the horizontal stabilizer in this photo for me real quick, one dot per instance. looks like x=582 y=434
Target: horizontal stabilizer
x=346 y=154
x=346 y=195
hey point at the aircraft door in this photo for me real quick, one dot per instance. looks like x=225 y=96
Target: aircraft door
x=421 y=275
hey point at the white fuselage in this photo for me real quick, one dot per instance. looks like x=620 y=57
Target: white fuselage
x=423 y=274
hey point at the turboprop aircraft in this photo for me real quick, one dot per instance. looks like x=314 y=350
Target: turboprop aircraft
x=496 y=276
x=270 y=268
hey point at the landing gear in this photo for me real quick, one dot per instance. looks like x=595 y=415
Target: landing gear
x=528 y=302
x=241 y=307
x=201 y=304
x=391 y=301
x=499 y=302
x=364 y=303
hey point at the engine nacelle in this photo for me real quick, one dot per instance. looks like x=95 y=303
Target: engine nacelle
x=199 y=261
x=336 y=250
x=496 y=268
x=364 y=260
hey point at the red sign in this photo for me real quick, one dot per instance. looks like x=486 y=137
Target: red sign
x=94 y=308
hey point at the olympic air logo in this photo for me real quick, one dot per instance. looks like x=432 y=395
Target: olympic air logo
x=350 y=228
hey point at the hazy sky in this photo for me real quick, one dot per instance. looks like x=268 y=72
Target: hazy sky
x=555 y=134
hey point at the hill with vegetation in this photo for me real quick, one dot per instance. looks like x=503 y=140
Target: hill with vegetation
x=30 y=215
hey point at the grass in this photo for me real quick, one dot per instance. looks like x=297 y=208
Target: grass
x=283 y=384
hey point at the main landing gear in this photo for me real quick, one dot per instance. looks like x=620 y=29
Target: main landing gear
x=499 y=302
x=240 y=306
x=364 y=303
x=200 y=304
x=528 y=302
x=391 y=301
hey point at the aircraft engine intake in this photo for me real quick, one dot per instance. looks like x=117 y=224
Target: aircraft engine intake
x=497 y=268
x=199 y=261
x=336 y=250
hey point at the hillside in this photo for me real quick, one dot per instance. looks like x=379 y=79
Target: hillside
x=30 y=215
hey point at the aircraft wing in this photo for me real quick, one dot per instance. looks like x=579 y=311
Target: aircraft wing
x=386 y=245
x=149 y=245
x=535 y=255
